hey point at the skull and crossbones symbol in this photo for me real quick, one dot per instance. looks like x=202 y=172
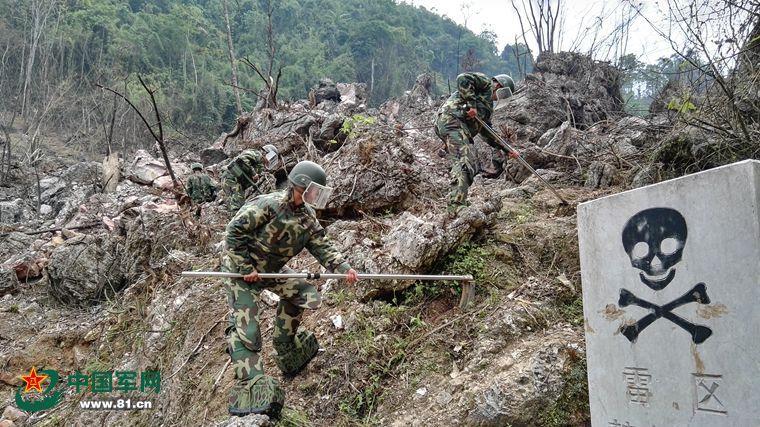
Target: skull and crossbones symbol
x=654 y=240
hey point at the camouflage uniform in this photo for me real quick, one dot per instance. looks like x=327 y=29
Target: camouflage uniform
x=264 y=235
x=200 y=188
x=474 y=90
x=237 y=177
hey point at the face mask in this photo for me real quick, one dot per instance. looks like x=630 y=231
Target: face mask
x=316 y=195
x=272 y=160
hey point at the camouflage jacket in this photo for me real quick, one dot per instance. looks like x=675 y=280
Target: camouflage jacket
x=269 y=230
x=245 y=166
x=200 y=188
x=474 y=90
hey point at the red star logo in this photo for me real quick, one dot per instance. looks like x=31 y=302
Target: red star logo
x=33 y=381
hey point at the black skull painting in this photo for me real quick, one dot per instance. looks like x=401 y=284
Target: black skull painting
x=654 y=240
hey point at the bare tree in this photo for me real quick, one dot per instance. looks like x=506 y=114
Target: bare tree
x=544 y=20
x=158 y=131
x=5 y=155
x=40 y=11
x=712 y=38
x=233 y=61
x=271 y=82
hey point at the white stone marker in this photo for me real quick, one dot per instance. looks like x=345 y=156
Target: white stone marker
x=671 y=297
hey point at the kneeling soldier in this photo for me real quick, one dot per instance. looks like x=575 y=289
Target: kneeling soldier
x=262 y=237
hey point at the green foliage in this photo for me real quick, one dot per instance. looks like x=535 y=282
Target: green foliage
x=571 y=309
x=293 y=417
x=682 y=106
x=642 y=82
x=352 y=124
x=180 y=47
x=572 y=407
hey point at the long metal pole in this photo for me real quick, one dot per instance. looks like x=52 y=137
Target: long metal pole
x=521 y=159
x=366 y=276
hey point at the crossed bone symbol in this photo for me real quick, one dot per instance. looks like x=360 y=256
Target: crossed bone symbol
x=697 y=294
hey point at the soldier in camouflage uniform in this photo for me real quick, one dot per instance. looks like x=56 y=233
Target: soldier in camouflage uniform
x=243 y=173
x=455 y=124
x=264 y=234
x=200 y=188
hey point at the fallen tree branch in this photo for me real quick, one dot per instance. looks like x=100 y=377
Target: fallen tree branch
x=51 y=230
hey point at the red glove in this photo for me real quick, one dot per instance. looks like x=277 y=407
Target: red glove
x=472 y=113
x=513 y=154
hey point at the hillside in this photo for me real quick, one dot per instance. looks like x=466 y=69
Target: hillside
x=55 y=52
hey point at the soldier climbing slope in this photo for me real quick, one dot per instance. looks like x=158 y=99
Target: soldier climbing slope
x=243 y=173
x=200 y=188
x=264 y=235
x=456 y=125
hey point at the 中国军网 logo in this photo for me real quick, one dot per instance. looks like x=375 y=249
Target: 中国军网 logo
x=41 y=389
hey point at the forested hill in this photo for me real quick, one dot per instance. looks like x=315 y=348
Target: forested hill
x=52 y=52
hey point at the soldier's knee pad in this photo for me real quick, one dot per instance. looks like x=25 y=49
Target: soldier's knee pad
x=260 y=395
x=293 y=356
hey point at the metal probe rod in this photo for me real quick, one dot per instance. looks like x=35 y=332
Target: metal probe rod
x=366 y=276
x=521 y=159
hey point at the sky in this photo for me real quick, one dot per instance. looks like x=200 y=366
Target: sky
x=580 y=26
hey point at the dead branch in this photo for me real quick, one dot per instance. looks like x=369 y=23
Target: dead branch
x=159 y=138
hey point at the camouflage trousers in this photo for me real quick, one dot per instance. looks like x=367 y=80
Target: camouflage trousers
x=460 y=151
x=234 y=193
x=244 y=330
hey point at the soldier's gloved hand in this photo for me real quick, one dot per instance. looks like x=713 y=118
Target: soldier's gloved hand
x=252 y=277
x=351 y=276
x=513 y=154
x=472 y=113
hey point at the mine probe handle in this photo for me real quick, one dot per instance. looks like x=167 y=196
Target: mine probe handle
x=520 y=158
x=466 y=278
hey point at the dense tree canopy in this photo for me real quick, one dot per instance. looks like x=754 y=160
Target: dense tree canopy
x=53 y=51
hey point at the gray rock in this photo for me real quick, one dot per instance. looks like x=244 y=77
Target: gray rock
x=8 y=281
x=84 y=268
x=330 y=127
x=518 y=397
x=12 y=212
x=13 y=244
x=647 y=175
x=51 y=186
x=600 y=175
x=326 y=91
x=144 y=168
x=211 y=156
x=352 y=96
x=383 y=173
x=254 y=420
x=14 y=414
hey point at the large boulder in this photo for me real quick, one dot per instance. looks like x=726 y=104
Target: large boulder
x=85 y=268
x=376 y=171
x=325 y=91
x=564 y=87
x=410 y=243
x=14 y=211
x=8 y=281
x=144 y=169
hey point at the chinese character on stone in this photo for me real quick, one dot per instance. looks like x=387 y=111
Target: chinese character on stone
x=708 y=397
x=637 y=384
